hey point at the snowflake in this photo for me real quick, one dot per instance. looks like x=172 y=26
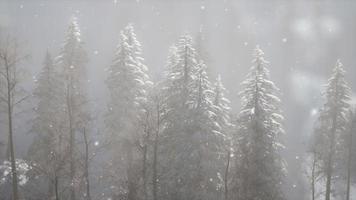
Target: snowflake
x=313 y=112
x=284 y=40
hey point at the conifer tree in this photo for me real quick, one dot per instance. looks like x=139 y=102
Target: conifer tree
x=260 y=169
x=46 y=152
x=331 y=125
x=222 y=109
x=191 y=135
x=71 y=62
x=128 y=85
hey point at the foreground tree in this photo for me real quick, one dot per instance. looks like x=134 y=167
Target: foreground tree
x=191 y=139
x=128 y=85
x=71 y=62
x=11 y=94
x=260 y=168
x=331 y=125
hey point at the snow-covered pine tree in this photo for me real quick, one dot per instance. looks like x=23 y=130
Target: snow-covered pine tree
x=177 y=99
x=128 y=85
x=222 y=105
x=45 y=152
x=71 y=62
x=209 y=135
x=191 y=136
x=260 y=169
x=222 y=111
x=331 y=124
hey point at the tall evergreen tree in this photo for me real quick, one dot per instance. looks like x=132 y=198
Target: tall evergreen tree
x=260 y=169
x=222 y=109
x=331 y=125
x=177 y=93
x=191 y=136
x=128 y=85
x=71 y=62
x=45 y=152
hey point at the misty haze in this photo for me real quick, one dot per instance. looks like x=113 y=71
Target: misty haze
x=177 y=100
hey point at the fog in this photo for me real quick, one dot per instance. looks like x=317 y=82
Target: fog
x=302 y=40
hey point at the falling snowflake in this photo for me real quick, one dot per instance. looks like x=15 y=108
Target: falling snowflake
x=313 y=112
x=284 y=40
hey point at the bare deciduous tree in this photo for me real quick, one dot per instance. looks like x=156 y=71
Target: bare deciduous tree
x=11 y=94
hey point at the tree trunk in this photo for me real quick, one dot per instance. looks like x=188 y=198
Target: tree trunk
x=226 y=191
x=155 y=157
x=331 y=152
x=144 y=163
x=15 y=195
x=313 y=177
x=87 y=165
x=349 y=160
x=131 y=180
x=56 y=186
x=71 y=143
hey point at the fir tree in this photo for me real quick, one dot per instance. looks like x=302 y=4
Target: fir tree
x=128 y=85
x=177 y=93
x=71 y=62
x=191 y=135
x=331 y=125
x=45 y=152
x=222 y=110
x=260 y=166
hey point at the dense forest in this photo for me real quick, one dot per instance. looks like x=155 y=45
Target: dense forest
x=172 y=138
